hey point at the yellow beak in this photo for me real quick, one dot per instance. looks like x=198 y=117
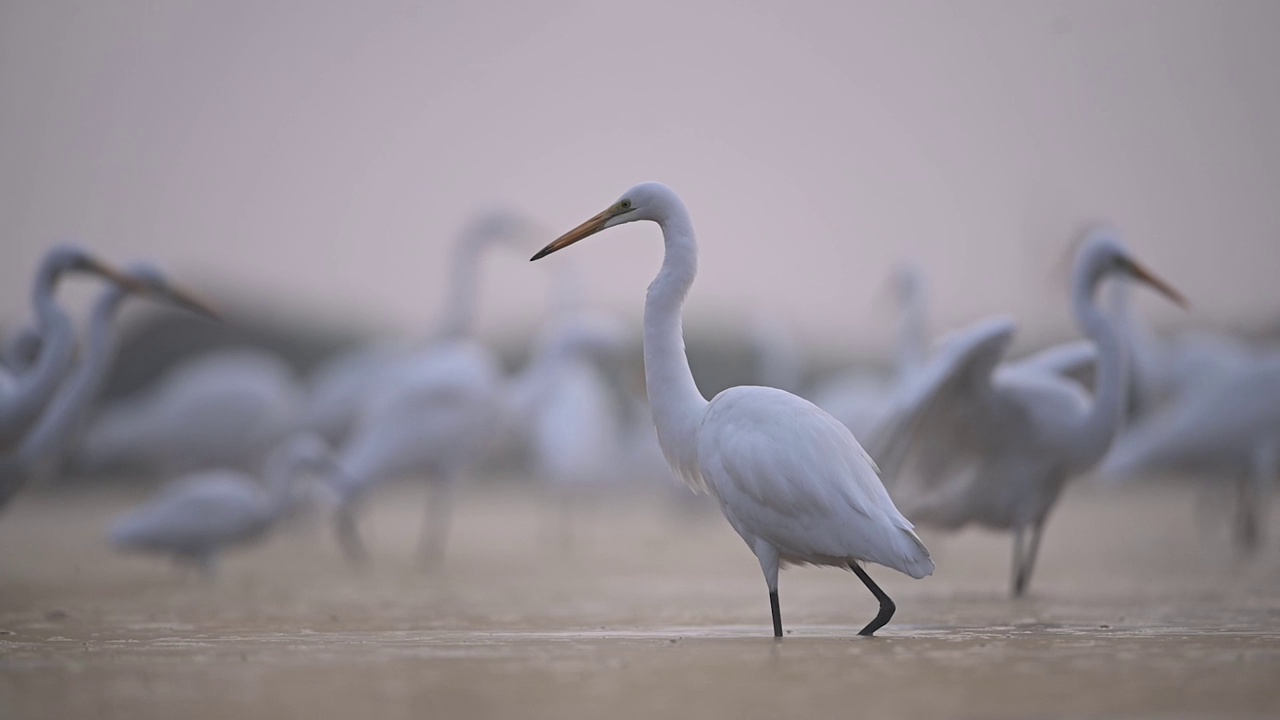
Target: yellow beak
x=586 y=229
x=1141 y=273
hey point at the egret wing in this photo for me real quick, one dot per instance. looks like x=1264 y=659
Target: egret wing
x=786 y=472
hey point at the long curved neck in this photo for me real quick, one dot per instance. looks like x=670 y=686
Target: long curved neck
x=1099 y=425
x=459 y=316
x=58 y=421
x=913 y=331
x=37 y=385
x=677 y=404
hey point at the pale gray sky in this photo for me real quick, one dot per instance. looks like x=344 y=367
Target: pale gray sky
x=320 y=155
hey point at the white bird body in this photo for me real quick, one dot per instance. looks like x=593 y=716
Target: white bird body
x=224 y=408
x=1228 y=424
x=53 y=430
x=790 y=479
x=977 y=440
x=30 y=384
x=198 y=516
x=786 y=473
x=434 y=418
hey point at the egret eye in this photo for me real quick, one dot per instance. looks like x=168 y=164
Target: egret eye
x=625 y=204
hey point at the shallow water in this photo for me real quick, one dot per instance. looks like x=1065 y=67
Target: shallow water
x=1137 y=610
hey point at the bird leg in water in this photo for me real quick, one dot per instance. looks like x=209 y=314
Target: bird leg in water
x=435 y=530
x=1251 y=497
x=349 y=540
x=777 y=613
x=1023 y=564
x=887 y=607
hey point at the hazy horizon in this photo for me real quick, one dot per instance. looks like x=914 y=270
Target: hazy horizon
x=320 y=158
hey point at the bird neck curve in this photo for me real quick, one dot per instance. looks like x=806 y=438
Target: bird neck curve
x=60 y=417
x=57 y=350
x=913 y=331
x=678 y=406
x=1098 y=426
x=459 y=316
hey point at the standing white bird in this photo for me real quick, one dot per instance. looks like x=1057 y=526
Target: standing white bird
x=218 y=409
x=432 y=413
x=197 y=517
x=571 y=414
x=790 y=478
x=52 y=431
x=25 y=391
x=977 y=441
x=1228 y=424
x=340 y=387
x=861 y=399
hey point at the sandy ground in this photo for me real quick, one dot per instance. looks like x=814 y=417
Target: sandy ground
x=1136 y=611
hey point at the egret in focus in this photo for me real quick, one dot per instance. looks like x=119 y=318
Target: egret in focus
x=790 y=479
x=196 y=518
x=49 y=436
x=975 y=440
x=25 y=390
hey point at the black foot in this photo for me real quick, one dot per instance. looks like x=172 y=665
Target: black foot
x=887 y=607
x=777 y=614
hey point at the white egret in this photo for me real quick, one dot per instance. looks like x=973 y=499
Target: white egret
x=432 y=413
x=25 y=392
x=791 y=480
x=222 y=408
x=197 y=517
x=859 y=398
x=340 y=387
x=572 y=418
x=977 y=441
x=1229 y=424
x=434 y=422
x=50 y=434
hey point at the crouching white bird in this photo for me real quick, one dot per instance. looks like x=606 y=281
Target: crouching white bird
x=199 y=516
x=790 y=478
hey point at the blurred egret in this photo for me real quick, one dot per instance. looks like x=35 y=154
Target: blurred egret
x=859 y=398
x=1228 y=423
x=24 y=392
x=572 y=419
x=197 y=517
x=340 y=387
x=977 y=441
x=790 y=478
x=53 y=428
x=221 y=408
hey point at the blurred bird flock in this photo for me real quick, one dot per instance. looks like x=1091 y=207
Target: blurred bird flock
x=813 y=456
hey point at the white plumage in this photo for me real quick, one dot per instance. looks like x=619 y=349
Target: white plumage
x=977 y=440
x=791 y=479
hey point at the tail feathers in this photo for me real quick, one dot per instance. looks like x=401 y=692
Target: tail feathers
x=915 y=560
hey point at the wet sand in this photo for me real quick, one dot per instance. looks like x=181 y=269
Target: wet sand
x=1136 y=611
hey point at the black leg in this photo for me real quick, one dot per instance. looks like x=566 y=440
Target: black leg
x=886 y=605
x=777 y=613
x=1023 y=578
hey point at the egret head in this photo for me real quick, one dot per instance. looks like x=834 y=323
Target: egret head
x=1102 y=254
x=646 y=201
x=69 y=258
x=147 y=279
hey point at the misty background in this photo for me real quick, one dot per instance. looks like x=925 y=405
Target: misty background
x=310 y=163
